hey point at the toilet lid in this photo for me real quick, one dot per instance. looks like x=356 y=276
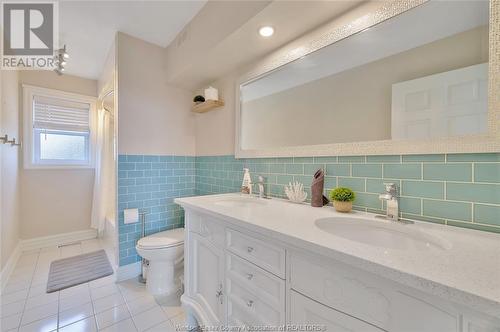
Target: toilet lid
x=164 y=239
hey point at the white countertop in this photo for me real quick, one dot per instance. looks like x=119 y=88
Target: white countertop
x=466 y=272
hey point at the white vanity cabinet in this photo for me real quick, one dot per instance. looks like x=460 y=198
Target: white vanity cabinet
x=204 y=269
x=237 y=277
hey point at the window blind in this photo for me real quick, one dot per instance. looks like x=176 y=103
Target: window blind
x=59 y=114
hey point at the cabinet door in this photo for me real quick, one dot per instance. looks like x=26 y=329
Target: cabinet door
x=305 y=311
x=474 y=324
x=206 y=276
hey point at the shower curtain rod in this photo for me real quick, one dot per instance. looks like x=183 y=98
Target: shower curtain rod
x=102 y=100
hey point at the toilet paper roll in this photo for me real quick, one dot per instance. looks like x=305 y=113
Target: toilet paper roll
x=130 y=216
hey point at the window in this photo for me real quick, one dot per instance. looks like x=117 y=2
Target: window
x=59 y=127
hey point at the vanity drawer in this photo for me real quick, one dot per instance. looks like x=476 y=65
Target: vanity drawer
x=267 y=256
x=262 y=284
x=247 y=307
x=305 y=311
x=207 y=228
x=370 y=298
x=338 y=287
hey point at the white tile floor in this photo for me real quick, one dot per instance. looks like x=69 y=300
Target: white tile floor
x=99 y=305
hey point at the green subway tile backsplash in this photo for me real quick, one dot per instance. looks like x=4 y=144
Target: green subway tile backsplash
x=448 y=172
x=338 y=169
x=460 y=190
x=487 y=214
x=368 y=201
x=403 y=171
x=410 y=205
x=277 y=168
x=356 y=184
x=448 y=210
x=325 y=160
x=352 y=159
x=423 y=189
x=294 y=168
x=367 y=170
x=423 y=157
x=383 y=159
x=487 y=172
x=474 y=192
x=303 y=160
x=473 y=157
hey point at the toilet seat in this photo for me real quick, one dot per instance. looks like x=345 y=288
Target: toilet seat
x=162 y=240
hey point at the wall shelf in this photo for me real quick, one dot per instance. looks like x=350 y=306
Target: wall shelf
x=207 y=106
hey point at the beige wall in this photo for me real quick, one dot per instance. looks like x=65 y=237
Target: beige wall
x=56 y=201
x=325 y=110
x=10 y=166
x=153 y=117
x=215 y=129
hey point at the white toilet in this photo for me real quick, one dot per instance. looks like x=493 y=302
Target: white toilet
x=163 y=250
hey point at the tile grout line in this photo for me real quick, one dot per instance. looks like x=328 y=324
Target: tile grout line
x=26 y=299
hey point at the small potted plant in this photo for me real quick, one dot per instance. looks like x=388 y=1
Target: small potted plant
x=342 y=199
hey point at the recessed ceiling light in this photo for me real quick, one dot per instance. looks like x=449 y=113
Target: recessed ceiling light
x=266 y=31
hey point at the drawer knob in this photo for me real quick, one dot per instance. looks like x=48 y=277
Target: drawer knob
x=250 y=303
x=249 y=249
x=249 y=276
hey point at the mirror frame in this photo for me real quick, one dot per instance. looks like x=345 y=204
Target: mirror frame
x=319 y=38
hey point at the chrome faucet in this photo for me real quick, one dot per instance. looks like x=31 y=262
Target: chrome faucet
x=262 y=188
x=392 y=202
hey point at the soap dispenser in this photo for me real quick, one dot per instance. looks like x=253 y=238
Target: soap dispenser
x=246 y=186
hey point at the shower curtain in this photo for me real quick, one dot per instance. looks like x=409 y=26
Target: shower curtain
x=103 y=177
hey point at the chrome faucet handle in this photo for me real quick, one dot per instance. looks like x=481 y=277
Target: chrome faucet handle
x=391 y=188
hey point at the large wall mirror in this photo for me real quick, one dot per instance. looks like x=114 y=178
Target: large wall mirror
x=416 y=82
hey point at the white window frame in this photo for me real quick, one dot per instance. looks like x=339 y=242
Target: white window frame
x=29 y=159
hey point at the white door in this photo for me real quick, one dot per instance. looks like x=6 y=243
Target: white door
x=448 y=104
x=206 y=277
x=305 y=311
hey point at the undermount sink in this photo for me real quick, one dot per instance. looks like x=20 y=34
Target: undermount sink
x=381 y=234
x=240 y=202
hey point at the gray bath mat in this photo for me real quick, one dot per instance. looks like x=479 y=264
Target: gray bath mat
x=77 y=270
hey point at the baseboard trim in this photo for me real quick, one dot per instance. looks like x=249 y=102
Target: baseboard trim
x=9 y=266
x=58 y=239
x=129 y=271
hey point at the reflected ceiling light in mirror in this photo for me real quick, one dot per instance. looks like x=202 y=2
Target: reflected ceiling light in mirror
x=266 y=31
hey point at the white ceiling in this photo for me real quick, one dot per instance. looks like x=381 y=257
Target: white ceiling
x=88 y=28
x=243 y=45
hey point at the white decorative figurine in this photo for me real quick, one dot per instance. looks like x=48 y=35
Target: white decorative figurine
x=295 y=192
